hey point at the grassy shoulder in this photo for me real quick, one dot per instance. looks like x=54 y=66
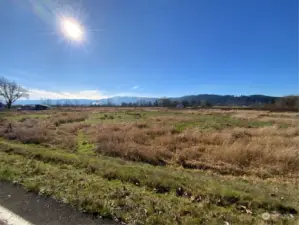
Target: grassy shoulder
x=138 y=193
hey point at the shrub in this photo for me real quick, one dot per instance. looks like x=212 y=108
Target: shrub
x=28 y=133
x=69 y=118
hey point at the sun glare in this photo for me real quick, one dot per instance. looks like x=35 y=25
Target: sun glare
x=72 y=29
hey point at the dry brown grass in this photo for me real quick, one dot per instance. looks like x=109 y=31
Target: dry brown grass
x=74 y=127
x=65 y=117
x=28 y=131
x=266 y=150
x=43 y=131
x=270 y=150
x=287 y=117
x=129 y=141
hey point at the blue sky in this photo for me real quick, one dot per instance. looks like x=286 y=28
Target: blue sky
x=151 y=47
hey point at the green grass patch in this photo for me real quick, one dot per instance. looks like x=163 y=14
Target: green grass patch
x=196 y=186
x=127 y=116
x=113 y=199
x=219 y=122
x=83 y=145
x=21 y=118
x=114 y=117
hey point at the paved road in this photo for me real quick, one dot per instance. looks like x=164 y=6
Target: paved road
x=40 y=210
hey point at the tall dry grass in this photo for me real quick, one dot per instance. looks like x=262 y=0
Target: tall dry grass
x=129 y=141
x=44 y=131
x=270 y=150
x=153 y=139
x=66 y=117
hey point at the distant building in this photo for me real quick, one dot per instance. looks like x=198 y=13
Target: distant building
x=34 y=107
x=41 y=107
x=26 y=107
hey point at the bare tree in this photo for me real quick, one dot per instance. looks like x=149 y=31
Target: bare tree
x=10 y=91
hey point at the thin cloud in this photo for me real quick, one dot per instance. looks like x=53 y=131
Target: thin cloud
x=135 y=87
x=133 y=94
x=37 y=94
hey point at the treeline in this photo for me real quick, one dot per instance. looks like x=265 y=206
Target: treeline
x=66 y=102
x=206 y=100
x=253 y=102
x=167 y=102
x=228 y=100
x=287 y=102
x=199 y=101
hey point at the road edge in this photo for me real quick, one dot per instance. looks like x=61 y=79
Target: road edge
x=11 y=218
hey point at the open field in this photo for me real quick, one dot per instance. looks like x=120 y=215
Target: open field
x=158 y=166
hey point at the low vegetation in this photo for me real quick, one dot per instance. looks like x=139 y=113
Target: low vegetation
x=158 y=166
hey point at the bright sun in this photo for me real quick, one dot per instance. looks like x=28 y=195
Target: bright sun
x=72 y=29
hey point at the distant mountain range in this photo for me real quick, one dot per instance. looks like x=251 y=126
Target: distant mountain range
x=192 y=99
x=117 y=100
x=55 y=101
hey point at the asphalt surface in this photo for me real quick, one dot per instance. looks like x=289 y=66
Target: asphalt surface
x=41 y=210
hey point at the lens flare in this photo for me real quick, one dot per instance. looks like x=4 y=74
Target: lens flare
x=68 y=22
x=72 y=29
